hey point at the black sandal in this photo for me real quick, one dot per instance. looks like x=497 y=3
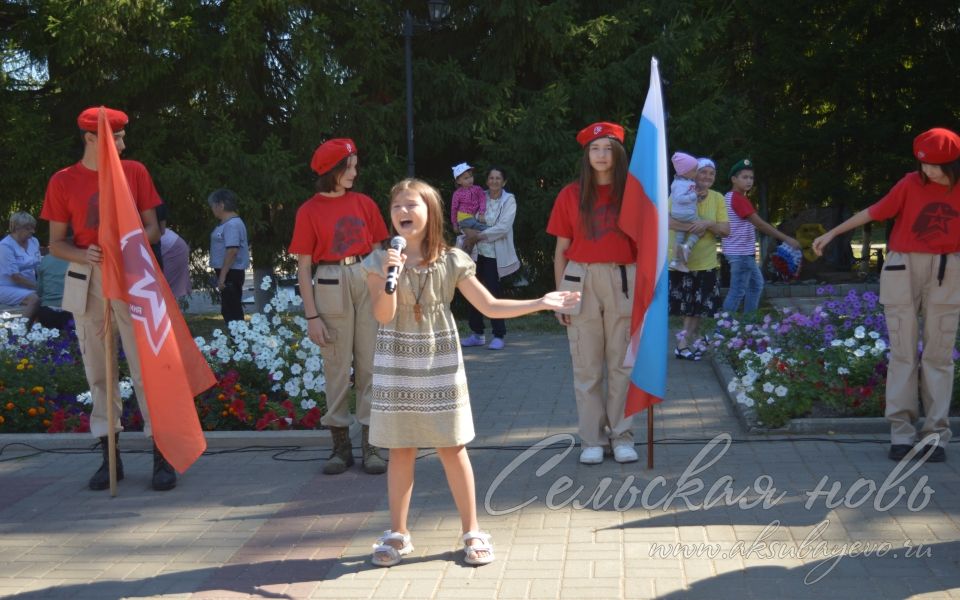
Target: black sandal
x=686 y=354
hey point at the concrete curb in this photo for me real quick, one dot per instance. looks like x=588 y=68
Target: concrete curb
x=216 y=440
x=807 y=425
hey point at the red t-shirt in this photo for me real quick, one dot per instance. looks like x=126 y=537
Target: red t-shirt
x=926 y=216
x=608 y=244
x=334 y=228
x=73 y=197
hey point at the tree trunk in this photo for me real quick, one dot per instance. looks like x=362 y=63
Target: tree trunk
x=865 y=249
x=261 y=296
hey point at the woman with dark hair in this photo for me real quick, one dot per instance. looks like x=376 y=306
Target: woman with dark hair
x=920 y=278
x=333 y=232
x=229 y=253
x=595 y=257
x=496 y=255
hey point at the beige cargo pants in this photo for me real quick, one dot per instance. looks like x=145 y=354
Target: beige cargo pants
x=909 y=287
x=343 y=302
x=599 y=333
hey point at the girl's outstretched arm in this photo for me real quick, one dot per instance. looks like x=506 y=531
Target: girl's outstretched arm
x=496 y=308
x=861 y=218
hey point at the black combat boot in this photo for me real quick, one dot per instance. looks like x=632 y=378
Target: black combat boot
x=101 y=479
x=373 y=463
x=342 y=456
x=164 y=477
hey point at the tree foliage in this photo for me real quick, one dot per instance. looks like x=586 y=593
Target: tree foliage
x=825 y=97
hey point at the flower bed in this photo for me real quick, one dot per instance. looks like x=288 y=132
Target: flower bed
x=269 y=376
x=831 y=362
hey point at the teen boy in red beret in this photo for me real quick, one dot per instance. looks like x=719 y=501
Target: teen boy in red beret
x=72 y=200
x=334 y=231
x=920 y=276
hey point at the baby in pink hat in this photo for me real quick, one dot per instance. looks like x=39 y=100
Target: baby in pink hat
x=683 y=206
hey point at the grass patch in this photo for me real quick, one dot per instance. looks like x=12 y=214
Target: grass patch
x=202 y=325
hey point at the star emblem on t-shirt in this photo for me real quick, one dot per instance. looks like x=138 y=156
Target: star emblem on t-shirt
x=934 y=220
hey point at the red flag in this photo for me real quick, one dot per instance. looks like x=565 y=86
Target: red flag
x=172 y=367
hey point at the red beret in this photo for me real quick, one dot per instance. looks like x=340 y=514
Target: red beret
x=937 y=146
x=599 y=130
x=87 y=120
x=329 y=153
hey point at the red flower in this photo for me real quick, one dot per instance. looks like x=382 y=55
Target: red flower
x=311 y=419
x=239 y=409
x=266 y=420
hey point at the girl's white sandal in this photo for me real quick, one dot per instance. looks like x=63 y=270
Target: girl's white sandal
x=472 y=552
x=387 y=555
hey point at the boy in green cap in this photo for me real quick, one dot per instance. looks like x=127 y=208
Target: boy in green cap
x=739 y=248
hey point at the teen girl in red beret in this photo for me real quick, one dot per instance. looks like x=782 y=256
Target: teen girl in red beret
x=594 y=256
x=921 y=276
x=334 y=231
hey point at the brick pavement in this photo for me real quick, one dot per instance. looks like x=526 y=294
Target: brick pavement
x=260 y=524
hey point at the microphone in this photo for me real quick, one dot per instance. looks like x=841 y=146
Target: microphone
x=393 y=273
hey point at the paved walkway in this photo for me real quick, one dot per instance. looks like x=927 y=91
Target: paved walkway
x=266 y=524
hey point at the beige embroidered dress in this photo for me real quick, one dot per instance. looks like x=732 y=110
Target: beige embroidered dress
x=420 y=394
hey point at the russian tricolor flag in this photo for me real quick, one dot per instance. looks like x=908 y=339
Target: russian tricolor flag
x=644 y=217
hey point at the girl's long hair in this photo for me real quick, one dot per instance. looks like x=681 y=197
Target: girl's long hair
x=588 y=185
x=950 y=169
x=433 y=242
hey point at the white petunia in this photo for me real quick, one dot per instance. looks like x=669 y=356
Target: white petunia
x=292 y=388
x=843 y=371
x=770 y=400
x=874 y=335
x=880 y=344
x=780 y=391
x=849 y=342
x=768 y=387
x=859 y=332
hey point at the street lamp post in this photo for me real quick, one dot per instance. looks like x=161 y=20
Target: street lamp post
x=438 y=10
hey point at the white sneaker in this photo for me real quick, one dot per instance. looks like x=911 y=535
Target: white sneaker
x=592 y=455
x=473 y=340
x=624 y=453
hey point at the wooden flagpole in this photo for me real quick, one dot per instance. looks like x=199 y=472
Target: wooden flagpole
x=110 y=349
x=650 y=437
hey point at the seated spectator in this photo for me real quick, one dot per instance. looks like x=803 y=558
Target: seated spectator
x=176 y=262
x=50 y=274
x=19 y=256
